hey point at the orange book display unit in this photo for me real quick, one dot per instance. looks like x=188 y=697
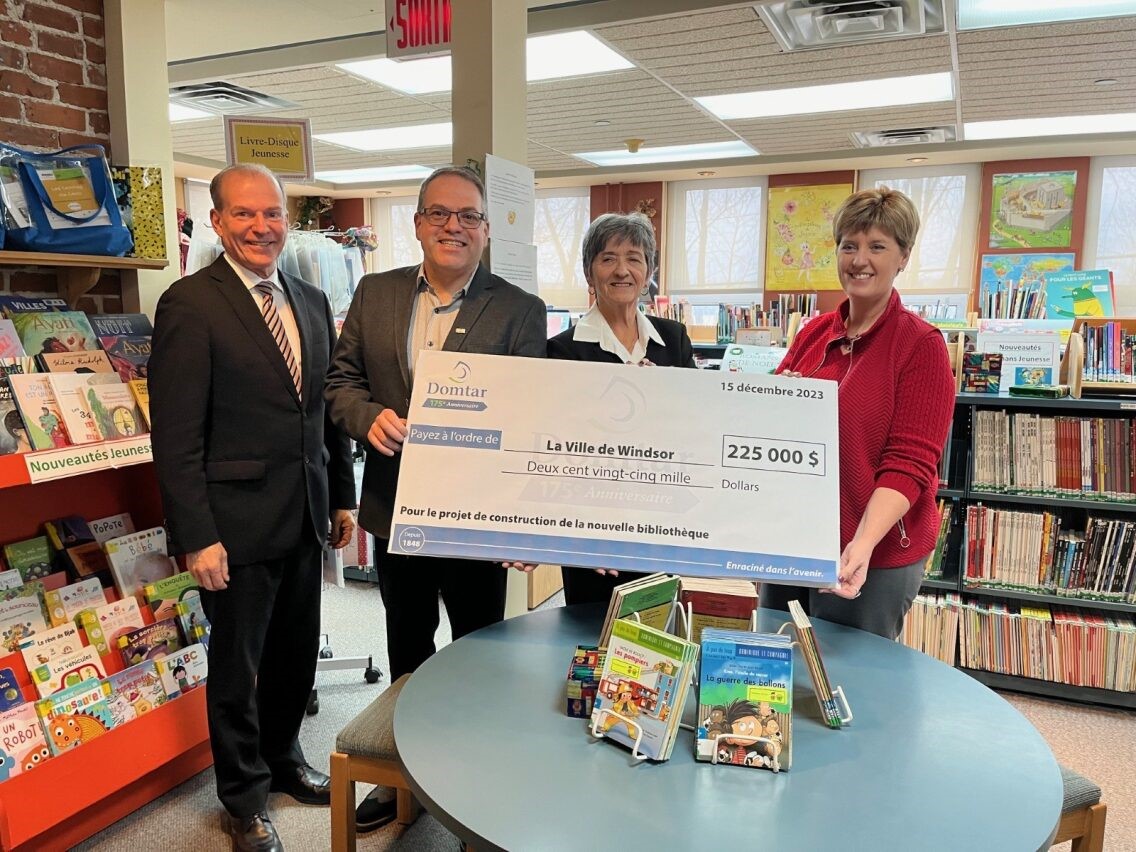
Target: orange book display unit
x=75 y=795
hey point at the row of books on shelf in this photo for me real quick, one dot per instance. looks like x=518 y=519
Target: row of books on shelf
x=1074 y=647
x=76 y=558
x=933 y=565
x=1064 y=294
x=68 y=379
x=634 y=683
x=1109 y=351
x=1086 y=457
x=92 y=663
x=1035 y=552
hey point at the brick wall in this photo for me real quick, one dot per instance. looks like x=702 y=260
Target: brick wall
x=52 y=95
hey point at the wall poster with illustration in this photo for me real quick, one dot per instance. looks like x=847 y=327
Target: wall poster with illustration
x=1032 y=210
x=800 y=253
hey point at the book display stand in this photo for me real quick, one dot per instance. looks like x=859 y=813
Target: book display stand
x=843 y=708
x=631 y=726
x=81 y=792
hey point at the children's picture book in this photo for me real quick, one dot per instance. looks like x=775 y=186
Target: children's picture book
x=103 y=625
x=745 y=699
x=149 y=642
x=583 y=680
x=74 y=716
x=32 y=557
x=981 y=372
x=110 y=325
x=55 y=331
x=163 y=595
x=72 y=393
x=17 y=303
x=643 y=687
x=22 y=613
x=10 y=345
x=141 y=392
x=139 y=558
x=65 y=603
x=11 y=694
x=10 y=579
x=50 y=644
x=39 y=410
x=129 y=353
x=184 y=670
x=651 y=598
x=1084 y=293
x=135 y=691
x=115 y=410
x=13 y=432
x=810 y=650
x=191 y=620
x=89 y=560
x=1012 y=285
x=22 y=743
x=112 y=526
x=67 y=532
x=710 y=602
x=64 y=671
x=75 y=362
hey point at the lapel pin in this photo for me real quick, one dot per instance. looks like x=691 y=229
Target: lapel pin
x=459 y=331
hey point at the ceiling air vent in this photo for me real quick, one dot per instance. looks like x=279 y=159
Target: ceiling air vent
x=809 y=24
x=227 y=99
x=907 y=136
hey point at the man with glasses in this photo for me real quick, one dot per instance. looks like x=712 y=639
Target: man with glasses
x=450 y=302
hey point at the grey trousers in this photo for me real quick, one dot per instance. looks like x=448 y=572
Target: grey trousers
x=884 y=600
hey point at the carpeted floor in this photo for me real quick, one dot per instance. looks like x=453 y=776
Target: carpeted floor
x=1100 y=743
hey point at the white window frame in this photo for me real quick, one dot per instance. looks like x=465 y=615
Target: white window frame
x=1097 y=165
x=968 y=226
x=675 y=239
x=575 y=263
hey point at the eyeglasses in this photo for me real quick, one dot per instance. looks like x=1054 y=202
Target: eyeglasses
x=440 y=216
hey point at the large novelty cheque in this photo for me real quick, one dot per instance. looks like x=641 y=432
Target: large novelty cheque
x=608 y=466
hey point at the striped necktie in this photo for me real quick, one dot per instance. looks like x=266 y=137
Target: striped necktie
x=276 y=329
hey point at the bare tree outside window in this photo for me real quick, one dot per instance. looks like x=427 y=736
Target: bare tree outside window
x=716 y=239
x=560 y=220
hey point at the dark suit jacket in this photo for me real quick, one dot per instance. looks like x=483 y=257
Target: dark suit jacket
x=369 y=370
x=239 y=458
x=676 y=350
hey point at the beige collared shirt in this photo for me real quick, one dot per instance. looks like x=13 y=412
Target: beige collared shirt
x=593 y=328
x=279 y=299
x=431 y=321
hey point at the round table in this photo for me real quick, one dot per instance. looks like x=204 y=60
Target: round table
x=932 y=761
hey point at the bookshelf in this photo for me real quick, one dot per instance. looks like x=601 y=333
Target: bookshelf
x=1128 y=325
x=1072 y=509
x=77 y=794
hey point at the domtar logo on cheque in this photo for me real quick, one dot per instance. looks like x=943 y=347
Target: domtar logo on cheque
x=457 y=387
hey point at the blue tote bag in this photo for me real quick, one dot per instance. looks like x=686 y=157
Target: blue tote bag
x=64 y=202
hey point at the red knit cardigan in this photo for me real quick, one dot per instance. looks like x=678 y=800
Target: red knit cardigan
x=896 y=398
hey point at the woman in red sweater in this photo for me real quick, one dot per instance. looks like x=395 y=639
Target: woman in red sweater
x=896 y=396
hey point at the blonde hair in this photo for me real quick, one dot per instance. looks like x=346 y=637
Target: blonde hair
x=887 y=209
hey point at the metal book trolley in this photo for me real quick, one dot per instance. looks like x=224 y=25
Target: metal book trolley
x=684 y=616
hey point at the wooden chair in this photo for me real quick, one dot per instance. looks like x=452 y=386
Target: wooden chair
x=1082 y=813
x=365 y=751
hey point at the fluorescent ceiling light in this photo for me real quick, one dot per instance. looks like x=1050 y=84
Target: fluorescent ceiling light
x=549 y=57
x=392 y=138
x=376 y=174
x=569 y=55
x=1070 y=125
x=415 y=76
x=835 y=97
x=670 y=153
x=977 y=14
x=180 y=112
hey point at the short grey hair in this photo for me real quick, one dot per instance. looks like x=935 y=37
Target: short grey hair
x=463 y=172
x=216 y=186
x=635 y=228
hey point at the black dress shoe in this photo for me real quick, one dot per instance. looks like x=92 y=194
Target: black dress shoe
x=372 y=814
x=254 y=834
x=304 y=784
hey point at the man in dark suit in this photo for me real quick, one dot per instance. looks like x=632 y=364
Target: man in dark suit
x=450 y=302
x=251 y=474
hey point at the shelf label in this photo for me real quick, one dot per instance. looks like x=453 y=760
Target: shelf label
x=46 y=465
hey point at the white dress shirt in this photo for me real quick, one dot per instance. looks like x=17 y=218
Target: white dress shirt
x=279 y=298
x=593 y=328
